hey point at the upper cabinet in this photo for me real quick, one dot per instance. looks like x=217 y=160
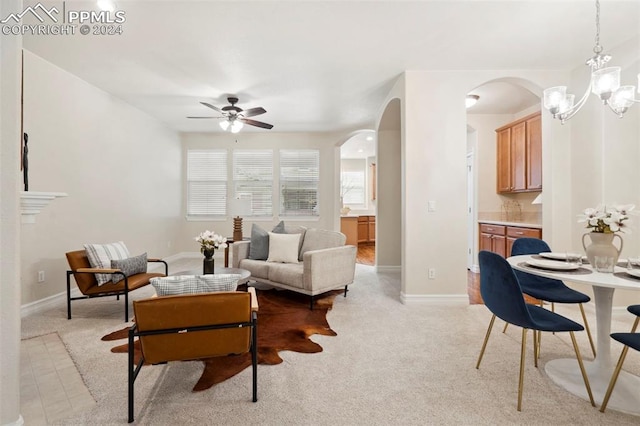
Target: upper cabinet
x=519 y=155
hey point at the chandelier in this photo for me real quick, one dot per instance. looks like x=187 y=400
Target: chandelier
x=605 y=82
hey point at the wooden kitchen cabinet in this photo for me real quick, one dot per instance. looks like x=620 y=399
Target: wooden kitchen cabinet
x=519 y=155
x=499 y=238
x=492 y=238
x=366 y=229
x=349 y=227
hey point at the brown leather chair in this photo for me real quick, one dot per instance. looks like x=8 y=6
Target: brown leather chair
x=193 y=326
x=85 y=278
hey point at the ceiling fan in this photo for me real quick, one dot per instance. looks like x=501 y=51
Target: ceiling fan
x=235 y=116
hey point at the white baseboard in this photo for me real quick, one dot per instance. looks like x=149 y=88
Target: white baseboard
x=412 y=299
x=475 y=268
x=381 y=268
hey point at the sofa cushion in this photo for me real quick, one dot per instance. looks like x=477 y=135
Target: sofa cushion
x=283 y=248
x=287 y=273
x=297 y=229
x=190 y=284
x=129 y=266
x=259 y=248
x=258 y=268
x=101 y=255
x=318 y=239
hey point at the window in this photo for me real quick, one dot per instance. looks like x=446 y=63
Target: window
x=299 y=176
x=352 y=187
x=206 y=182
x=253 y=178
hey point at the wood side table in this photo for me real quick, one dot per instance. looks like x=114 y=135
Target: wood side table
x=226 y=249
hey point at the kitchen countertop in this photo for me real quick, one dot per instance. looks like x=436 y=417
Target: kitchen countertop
x=510 y=223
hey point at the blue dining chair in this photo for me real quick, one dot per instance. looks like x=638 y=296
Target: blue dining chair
x=548 y=289
x=629 y=340
x=503 y=296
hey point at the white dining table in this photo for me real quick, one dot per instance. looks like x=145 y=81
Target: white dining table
x=565 y=372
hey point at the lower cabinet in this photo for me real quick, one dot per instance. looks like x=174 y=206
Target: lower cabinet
x=499 y=238
x=349 y=227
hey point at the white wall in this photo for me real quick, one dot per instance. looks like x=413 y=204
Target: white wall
x=10 y=50
x=605 y=154
x=120 y=167
x=329 y=179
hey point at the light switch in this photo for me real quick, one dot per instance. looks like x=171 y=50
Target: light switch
x=431 y=206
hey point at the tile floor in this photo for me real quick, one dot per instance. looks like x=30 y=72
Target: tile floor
x=51 y=387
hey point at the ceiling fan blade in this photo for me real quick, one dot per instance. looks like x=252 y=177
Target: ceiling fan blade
x=202 y=117
x=215 y=108
x=251 y=112
x=256 y=123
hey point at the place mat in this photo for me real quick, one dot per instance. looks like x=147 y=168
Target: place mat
x=626 y=276
x=579 y=271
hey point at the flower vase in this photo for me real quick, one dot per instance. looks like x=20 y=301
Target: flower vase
x=602 y=247
x=207 y=263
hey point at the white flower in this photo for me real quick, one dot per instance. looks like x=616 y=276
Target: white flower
x=209 y=240
x=603 y=220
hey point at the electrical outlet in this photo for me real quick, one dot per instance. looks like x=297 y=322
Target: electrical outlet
x=40 y=276
x=432 y=273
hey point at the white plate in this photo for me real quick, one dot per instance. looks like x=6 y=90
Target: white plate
x=552 y=264
x=554 y=256
x=557 y=256
x=634 y=272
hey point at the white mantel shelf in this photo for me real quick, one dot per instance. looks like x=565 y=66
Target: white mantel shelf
x=31 y=202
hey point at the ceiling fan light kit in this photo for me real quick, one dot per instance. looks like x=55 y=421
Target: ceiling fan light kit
x=234 y=118
x=605 y=83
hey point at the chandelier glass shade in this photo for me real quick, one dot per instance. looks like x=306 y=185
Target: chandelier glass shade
x=231 y=124
x=604 y=82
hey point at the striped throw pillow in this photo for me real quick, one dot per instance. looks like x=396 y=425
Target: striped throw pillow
x=190 y=284
x=101 y=255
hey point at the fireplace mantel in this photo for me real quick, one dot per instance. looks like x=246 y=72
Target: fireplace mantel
x=32 y=202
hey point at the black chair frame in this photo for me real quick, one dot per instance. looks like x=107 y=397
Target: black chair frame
x=107 y=293
x=134 y=370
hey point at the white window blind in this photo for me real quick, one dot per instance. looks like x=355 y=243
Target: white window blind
x=299 y=176
x=206 y=182
x=352 y=188
x=253 y=174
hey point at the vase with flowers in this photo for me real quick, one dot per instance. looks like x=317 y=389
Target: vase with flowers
x=604 y=223
x=209 y=242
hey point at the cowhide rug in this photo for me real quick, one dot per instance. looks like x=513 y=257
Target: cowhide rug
x=285 y=323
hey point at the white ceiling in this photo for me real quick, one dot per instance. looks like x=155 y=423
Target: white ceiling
x=322 y=65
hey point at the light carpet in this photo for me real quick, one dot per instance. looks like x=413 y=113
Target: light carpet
x=389 y=364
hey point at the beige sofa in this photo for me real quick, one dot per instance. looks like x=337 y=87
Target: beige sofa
x=325 y=263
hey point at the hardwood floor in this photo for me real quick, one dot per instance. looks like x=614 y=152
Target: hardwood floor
x=473 y=290
x=366 y=254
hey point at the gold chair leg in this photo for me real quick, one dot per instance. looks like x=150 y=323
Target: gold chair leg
x=614 y=378
x=522 y=355
x=506 y=324
x=536 y=350
x=635 y=325
x=553 y=309
x=537 y=335
x=582 y=370
x=586 y=327
x=486 y=339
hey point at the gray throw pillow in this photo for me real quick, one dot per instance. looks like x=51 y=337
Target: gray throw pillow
x=259 y=248
x=129 y=266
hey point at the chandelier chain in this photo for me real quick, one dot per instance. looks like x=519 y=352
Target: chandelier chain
x=597 y=49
